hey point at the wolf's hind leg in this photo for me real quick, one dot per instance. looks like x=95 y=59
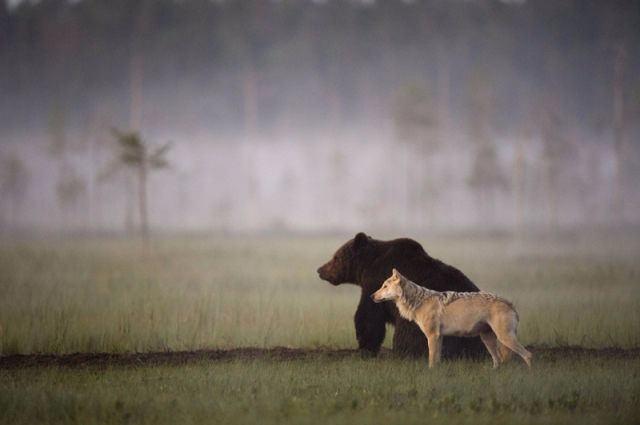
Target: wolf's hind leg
x=505 y=325
x=511 y=341
x=491 y=342
x=504 y=352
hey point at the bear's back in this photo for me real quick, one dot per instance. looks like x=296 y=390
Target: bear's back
x=412 y=260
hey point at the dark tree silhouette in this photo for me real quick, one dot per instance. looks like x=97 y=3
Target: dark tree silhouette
x=14 y=179
x=557 y=150
x=69 y=190
x=135 y=154
x=70 y=186
x=486 y=178
x=416 y=126
x=619 y=128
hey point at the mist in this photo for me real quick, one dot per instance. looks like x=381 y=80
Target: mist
x=320 y=116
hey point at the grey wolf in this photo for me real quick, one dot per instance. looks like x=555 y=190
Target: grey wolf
x=463 y=314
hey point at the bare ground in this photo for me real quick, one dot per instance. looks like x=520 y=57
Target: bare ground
x=103 y=360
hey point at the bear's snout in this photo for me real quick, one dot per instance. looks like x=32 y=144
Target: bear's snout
x=322 y=272
x=326 y=272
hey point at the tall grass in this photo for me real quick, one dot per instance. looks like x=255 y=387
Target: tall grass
x=108 y=295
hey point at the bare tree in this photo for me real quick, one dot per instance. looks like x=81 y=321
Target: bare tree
x=14 y=178
x=416 y=125
x=70 y=186
x=619 y=128
x=69 y=189
x=557 y=150
x=518 y=185
x=135 y=154
x=486 y=179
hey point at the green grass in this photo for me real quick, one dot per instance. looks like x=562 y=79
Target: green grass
x=108 y=296
x=323 y=390
x=186 y=293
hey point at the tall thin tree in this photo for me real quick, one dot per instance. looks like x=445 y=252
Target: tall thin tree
x=14 y=178
x=417 y=128
x=136 y=154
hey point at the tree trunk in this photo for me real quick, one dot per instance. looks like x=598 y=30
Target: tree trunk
x=136 y=79
x=250 y=98
x=13 y=209
x=552 y=193
x=142 y=201
x=136 y=66
x=407 y=187
x=519 y=188
x=129 y=202
x=427 y=200
x=135 y=90
x=443 y=84
x=618 y=131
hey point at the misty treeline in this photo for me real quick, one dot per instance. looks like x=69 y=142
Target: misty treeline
x=322 y=115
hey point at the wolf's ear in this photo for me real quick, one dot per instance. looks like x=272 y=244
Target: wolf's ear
x=360 y=241
x=394 y=273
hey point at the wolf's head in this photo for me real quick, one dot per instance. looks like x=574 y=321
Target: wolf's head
x=391 y=289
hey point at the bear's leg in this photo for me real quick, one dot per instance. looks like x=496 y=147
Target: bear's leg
x=457 y=348
x=408 y=340
x=370 y=326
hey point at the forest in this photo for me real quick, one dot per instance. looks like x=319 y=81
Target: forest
x=522 y=111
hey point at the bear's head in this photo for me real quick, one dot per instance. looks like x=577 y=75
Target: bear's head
x=343 y=267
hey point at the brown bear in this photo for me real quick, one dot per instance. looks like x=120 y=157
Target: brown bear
x=367 y=262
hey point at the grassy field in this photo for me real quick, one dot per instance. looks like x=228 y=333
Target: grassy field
x=205 y=293
x=324 y=390
x=107 y=296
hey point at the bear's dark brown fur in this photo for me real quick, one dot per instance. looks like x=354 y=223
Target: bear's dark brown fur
x=367 y=262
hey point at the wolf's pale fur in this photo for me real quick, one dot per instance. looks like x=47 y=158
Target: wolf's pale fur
x=438 y=314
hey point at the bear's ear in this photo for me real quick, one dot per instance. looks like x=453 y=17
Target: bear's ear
x=360 y=240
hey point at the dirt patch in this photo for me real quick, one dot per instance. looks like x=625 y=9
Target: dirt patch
x=166 y=357
x=103 y=360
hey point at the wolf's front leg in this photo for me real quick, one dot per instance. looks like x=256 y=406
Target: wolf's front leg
x=435 y=347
